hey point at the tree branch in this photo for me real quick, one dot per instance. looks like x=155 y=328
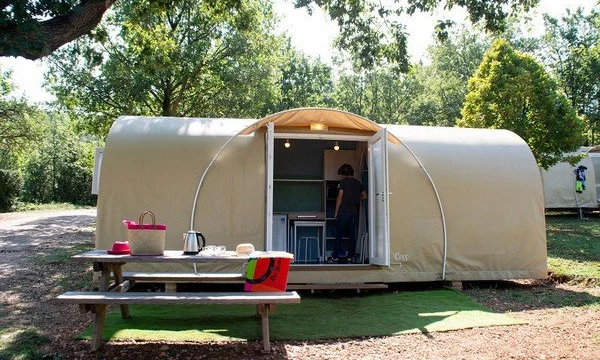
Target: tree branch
x=36 y=39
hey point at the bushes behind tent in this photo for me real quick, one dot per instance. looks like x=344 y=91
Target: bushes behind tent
x=45 y=157
x=55 y=163
x=63 y=177
x=60 y=176
x=10 y=187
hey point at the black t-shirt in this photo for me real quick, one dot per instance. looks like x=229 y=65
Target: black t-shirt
x=351 y=196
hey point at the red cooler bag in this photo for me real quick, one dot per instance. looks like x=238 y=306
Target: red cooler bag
x=267 y=274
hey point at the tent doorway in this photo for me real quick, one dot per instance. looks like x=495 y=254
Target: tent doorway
x=301 y=188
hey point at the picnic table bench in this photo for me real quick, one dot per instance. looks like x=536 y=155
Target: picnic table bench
x=114 y=292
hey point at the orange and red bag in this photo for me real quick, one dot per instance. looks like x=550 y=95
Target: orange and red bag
x=267 y=274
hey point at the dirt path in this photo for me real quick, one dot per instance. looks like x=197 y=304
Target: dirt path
x=34 y=269
x=19 y=231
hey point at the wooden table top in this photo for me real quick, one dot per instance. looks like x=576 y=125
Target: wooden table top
x=177 y=256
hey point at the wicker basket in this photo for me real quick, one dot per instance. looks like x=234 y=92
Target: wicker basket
x=147 y=239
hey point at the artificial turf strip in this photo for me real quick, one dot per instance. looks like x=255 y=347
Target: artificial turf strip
x=313 y=318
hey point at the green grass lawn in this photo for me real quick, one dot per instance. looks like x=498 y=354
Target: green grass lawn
x=314 y=318
x=574 y=248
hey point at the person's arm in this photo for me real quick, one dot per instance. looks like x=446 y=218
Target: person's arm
x=338 y=202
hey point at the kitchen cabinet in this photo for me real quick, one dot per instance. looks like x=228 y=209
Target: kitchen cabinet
x=332 y=160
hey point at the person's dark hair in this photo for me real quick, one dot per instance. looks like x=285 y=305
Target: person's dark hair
x=346 y=170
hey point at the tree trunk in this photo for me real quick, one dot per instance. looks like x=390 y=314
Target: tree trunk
x=166 y=104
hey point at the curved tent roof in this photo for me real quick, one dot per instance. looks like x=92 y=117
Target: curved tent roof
x=320 y=118
x=304 y=117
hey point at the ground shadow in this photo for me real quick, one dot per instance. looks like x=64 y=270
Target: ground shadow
x=221 y=350
x=506 y=295
x=22 y=344
x=37 y=232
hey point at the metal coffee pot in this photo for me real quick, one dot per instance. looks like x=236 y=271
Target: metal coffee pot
x=191 y=242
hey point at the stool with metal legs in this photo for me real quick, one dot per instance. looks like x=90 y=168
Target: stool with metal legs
x=310 y=243
x=363 y=245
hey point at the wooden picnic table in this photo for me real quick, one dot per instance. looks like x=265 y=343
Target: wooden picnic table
x=113 y=287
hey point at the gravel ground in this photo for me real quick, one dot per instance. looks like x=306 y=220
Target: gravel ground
x=29 y=276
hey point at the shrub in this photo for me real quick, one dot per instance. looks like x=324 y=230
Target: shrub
x=38 y=182
x=10 y=187
x=74 y=182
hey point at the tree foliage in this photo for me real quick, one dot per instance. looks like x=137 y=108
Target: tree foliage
x=571 y=49
x=369 y=30
x=18 y=127
x=435 y=97
x=437 y=90
x=429 y=94
x=304 y=82
x=17 y=119
x=10 y=187
x=376 y=94
x=179 y=60
x=59 y=167
x=372 y=34
x=511 y=90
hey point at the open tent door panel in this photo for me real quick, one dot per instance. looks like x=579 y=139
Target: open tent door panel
x=269 y=154
x=379 y=245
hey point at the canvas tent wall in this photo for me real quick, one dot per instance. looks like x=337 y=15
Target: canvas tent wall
x=464 y=204
x=559 y=182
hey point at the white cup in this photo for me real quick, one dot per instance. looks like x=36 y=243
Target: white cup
x=220 y=249
x=209 y=250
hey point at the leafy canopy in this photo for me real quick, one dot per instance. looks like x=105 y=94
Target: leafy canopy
x=428 y=94
x=18 y=121
x=304 y=82
x=511 y=90
x=377 y=94
x=178 y=60
x=369 y=30
x=437 y=91
x=571 y=48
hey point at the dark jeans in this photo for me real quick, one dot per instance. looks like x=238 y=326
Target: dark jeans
x=346 y=225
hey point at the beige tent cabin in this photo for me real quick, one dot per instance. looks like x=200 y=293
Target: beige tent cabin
x=559 y=182
x=444 y=203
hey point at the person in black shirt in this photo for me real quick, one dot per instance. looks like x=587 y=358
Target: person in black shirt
x=350 y=192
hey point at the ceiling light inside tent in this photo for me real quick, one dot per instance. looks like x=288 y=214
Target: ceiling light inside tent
x=318 y=127
x=287 y=143
x=336 y=146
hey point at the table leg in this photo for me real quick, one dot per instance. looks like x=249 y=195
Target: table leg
x=264 y=310
x=104 y=281
x=100 y=312
x=118 y=273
